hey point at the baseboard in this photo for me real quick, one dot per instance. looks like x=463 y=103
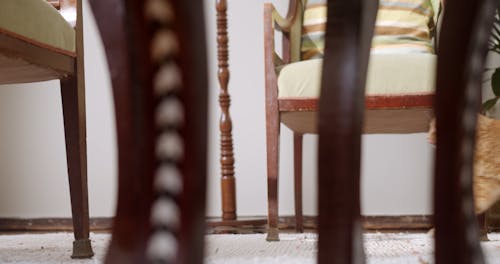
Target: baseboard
x=400 y=222
x=52 y=224
x=243 y=224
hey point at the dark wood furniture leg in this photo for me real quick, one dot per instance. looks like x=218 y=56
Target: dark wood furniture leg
x=228 y=183
x=297 y=173
x=461 y=59
x=73 y=101
x=157 y=64
x=341 y=108
x=483 y=227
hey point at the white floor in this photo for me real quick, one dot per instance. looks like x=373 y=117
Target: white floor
x=381 y=248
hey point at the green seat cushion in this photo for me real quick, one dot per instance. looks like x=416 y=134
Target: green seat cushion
x=38 y=22
x=388 y=74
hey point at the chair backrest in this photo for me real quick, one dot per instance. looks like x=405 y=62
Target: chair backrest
x=292 y=40
x=157 y=63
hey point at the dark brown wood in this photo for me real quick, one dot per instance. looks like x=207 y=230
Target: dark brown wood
x=403 y=223
x=248 y=224
x=73 y=101
x=131 y=30
x=75 y=129
x=349 y=30
x=228 y=184
x=297 y=172
x=461 y=58
x=97 y=224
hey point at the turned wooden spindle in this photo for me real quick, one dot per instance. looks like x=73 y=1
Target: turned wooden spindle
x=228 y=185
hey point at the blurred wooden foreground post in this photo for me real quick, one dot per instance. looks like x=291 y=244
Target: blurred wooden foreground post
x=228 y=184
x=349 y=32
x=156 y=56
x=461 y=59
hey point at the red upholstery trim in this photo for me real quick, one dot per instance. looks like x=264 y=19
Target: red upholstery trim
x=289 y=104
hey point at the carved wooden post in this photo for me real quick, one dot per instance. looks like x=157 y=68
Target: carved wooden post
x=228 y=185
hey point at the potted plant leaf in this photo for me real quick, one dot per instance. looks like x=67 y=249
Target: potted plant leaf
x=494 y=46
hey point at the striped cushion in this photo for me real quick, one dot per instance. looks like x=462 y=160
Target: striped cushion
x=313 y=31
x=402 y=26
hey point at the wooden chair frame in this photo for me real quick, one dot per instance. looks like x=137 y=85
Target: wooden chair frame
x=384 y=114
x=32 y=62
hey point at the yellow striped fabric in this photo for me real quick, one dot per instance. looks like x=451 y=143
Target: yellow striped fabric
x=402 y=26
x=313 y=30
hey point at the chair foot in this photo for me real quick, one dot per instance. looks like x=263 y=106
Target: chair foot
x=273 y=234
x=82 y=248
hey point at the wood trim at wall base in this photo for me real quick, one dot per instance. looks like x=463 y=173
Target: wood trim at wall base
x=52 y=224
x=403 y=222
x=217 y=225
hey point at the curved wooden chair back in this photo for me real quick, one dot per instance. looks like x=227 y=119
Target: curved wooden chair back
x=157 y=62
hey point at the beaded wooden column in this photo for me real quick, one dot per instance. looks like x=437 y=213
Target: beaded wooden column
x=461 y=59
x=156 y=56
x=228 y=184
x=348 y=37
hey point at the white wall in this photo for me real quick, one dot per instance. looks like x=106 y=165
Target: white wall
x=33 y=177
x=396 y=169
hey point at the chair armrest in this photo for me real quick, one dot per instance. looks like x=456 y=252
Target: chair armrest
x=291 y=28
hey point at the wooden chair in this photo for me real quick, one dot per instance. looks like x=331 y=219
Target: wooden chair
x=38 y=44
x=388 y=109
x=156 y=56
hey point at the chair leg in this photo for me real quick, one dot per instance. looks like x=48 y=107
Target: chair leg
x=73 y=101
x=272 y=141
x=483 y=228
x=297 y=161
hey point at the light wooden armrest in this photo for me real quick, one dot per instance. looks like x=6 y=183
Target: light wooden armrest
x=290 y=26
